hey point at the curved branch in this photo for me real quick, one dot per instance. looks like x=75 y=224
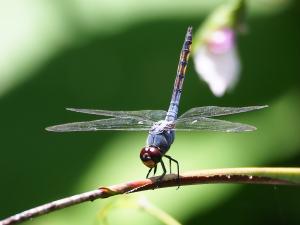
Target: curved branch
x=273 y=176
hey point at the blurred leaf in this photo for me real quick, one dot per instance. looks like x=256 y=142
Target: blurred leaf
x=137 y=202
x=32 y=31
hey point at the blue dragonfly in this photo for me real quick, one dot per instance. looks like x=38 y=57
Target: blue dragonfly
x=162 y=124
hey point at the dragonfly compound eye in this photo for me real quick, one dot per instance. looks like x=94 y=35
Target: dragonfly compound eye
x=150 y=156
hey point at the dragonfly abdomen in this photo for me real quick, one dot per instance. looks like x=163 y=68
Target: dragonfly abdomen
x=181 y=69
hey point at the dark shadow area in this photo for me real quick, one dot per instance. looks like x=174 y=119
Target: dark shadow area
x=256 y=204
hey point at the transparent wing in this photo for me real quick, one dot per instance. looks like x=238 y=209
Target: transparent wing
x=211 y=111
x=153 y=115
x=128 y=124
x=208 y=124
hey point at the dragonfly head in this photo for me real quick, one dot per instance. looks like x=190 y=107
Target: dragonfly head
x=150 y=156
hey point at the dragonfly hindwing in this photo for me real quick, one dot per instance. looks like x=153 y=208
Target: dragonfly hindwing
x=129 y=124
x=208 y=124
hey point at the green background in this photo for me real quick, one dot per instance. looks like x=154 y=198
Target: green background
x=122 y=55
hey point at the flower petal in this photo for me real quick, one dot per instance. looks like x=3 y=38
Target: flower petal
x=220 y=71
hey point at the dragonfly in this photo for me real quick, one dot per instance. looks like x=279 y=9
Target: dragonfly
x=161 y=125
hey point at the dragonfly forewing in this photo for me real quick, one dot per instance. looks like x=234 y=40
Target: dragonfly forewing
x=126 y=124
x=208 y=124
x=211 y=111
x=153 y=115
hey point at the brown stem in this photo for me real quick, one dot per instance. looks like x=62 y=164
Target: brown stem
x=273 y=176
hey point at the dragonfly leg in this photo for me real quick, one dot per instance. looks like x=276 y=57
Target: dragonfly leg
x=163 y=174
x=154 y=172
x=170 y=164
x=175 y=161
x=149 y=173
x=164 y=170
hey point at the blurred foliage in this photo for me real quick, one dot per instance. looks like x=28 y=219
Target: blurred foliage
x=123 y=55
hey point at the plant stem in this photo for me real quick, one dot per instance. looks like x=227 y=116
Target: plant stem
x=271 y=176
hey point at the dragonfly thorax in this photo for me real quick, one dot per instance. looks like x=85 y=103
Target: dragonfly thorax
x=161 y=126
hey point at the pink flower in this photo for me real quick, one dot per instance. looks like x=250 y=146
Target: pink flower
x=217 y=62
